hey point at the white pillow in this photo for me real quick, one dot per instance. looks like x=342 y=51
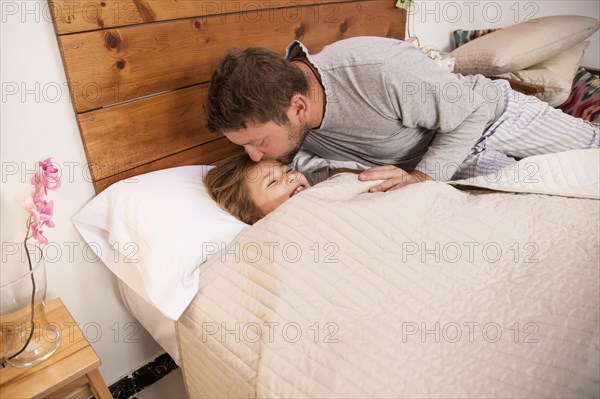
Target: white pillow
x=522 y=45
x=159 y=226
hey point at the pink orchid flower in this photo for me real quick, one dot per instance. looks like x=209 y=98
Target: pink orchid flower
x=41 y=212
x=47 y=177
x=39 y=209
x=45 y=210
x=37 y=233
x=32 y=210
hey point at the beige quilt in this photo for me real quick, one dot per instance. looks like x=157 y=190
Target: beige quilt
x=427 y=291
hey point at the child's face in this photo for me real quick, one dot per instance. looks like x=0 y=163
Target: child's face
x=272 y=183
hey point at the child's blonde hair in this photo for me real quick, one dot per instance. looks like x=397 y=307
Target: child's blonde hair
x=227 y=184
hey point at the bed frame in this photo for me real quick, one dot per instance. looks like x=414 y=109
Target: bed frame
x=138 y=69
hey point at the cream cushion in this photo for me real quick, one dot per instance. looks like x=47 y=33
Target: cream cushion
x=555 y=75
x=520 y=46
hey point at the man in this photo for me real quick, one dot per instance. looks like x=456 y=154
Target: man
x=382 y=104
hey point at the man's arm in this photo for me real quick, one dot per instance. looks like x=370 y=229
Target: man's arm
x=424 y=95
x=450 y=148
x=445 y=153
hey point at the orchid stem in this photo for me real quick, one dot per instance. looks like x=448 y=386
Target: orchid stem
x=32 y=293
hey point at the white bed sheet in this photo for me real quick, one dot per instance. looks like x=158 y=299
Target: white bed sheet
x=159 y=326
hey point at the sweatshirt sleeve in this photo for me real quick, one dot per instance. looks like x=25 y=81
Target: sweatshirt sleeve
x=427 y=96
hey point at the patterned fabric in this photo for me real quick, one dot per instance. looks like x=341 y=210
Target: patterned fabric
x=584 y=101
x=463 y=36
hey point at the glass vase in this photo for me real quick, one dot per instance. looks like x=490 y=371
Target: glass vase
x=26 y=337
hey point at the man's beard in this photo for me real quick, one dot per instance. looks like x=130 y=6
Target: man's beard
x=296 y=138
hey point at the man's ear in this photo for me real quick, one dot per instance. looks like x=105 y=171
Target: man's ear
x=299 y=108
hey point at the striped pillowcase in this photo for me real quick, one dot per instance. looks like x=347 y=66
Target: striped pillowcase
x=584 y=100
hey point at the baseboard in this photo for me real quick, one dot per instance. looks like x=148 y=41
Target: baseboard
x=143 y=377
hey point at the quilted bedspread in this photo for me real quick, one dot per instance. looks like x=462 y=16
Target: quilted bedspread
x=427 y=291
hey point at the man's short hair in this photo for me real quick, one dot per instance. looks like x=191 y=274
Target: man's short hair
x=253 y=86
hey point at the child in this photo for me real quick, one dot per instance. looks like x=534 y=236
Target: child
x=250 y=190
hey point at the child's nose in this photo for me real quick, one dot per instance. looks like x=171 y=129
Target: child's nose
x=292 y=177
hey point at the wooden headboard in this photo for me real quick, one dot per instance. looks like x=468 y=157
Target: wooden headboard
x=138 y=69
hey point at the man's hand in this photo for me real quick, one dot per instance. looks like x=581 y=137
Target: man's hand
x=394 y=177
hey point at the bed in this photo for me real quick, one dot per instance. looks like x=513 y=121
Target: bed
x=485 y=288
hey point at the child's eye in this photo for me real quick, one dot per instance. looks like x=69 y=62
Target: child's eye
x=271 y=183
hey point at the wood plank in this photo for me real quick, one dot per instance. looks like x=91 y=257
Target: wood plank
x=110 y=66
x=127 y=135
x=82 y=362
x=71 y=16
x=78 y=389
x=98 y=385
x=205 y=154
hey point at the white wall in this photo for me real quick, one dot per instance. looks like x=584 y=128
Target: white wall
x=37 y=121
x=433 y=21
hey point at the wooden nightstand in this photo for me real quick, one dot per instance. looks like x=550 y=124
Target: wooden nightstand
x=71 y=371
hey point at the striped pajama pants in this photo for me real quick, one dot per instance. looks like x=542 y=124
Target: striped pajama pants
x=527 y=127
